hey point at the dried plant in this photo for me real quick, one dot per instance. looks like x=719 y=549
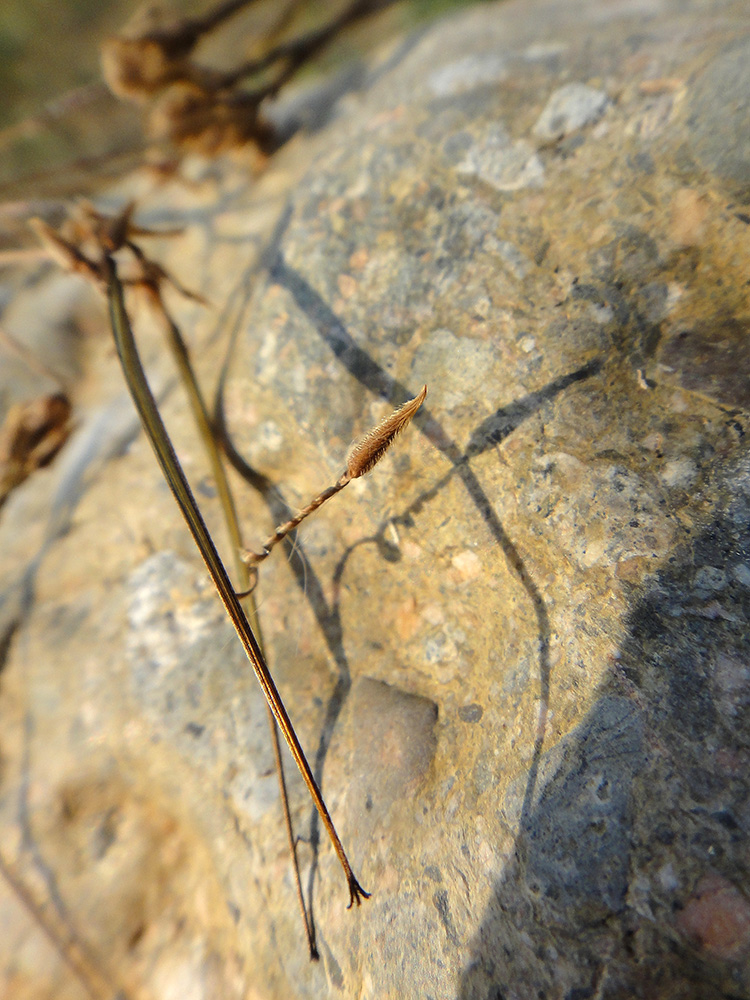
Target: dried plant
x=152 y=51
x=363 y=456
x=209 y=122
x=102 y=236
x=204 y=109
x=30 y=437
x=88 y=235
x=173 y=473
x=367 y=452
x=199 y=108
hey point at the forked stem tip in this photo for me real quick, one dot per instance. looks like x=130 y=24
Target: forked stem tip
x=356 y=892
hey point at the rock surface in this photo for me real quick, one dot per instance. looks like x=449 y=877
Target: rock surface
x=518 y=651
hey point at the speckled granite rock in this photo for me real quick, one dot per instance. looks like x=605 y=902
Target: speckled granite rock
x=518 y=652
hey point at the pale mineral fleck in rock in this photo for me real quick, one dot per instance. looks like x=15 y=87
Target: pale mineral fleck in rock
x=569 y=108
x=679 y=472
x=668 y=878
x=505 y=164
x=468 y=564
x=467 y=73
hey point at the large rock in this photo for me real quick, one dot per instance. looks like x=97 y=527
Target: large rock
x=517 y=652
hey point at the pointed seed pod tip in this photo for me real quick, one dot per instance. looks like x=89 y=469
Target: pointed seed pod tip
x=368 y=451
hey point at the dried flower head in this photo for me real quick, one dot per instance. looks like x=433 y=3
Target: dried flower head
x=368 y=451
x=365 y=454
x=152 y=51
x=209 y=122
x=31 y=435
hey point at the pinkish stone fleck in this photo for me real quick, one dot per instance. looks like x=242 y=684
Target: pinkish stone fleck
x=717 y=916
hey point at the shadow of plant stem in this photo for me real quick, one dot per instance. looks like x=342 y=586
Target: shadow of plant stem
x=377 y=380
x=487 y=434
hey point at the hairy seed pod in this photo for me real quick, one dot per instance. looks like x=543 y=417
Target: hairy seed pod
x=368 y=451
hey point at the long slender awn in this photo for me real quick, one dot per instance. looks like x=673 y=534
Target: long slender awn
x=173 y=473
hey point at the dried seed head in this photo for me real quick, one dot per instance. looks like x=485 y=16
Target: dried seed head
x=149 y=53
x=30 y=437
x=207 y=123
x=64 y=252
x=368 y=451
x=136 y=68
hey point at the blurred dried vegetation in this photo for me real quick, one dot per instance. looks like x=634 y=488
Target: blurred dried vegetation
x=63 y=132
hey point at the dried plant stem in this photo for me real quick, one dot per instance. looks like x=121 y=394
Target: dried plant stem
x=70 y=949
x=213 y=18
x=296 y=52
x=181 y=356
x=35 y=364
x=165 y=454
x=365 y=454
x=253 y=558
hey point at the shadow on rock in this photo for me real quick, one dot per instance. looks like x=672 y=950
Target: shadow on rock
x=632 y=853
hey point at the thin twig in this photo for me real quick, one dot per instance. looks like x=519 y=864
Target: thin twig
x=363 y=457
x=213 y=18
x=172 y=470
x=299 y=50
x=252 y=559
x=181 y=356
x=29 y=358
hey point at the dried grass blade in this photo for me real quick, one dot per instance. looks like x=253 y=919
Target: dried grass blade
x=173 y=473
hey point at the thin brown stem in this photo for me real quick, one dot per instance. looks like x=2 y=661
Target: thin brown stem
x=179 y=38
x=181 y=356
x=173 y=473
x=213 y=18
x=363 y=457
x=299 y=50
x=35 y=364
x=306 y=917
x=252 y=559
